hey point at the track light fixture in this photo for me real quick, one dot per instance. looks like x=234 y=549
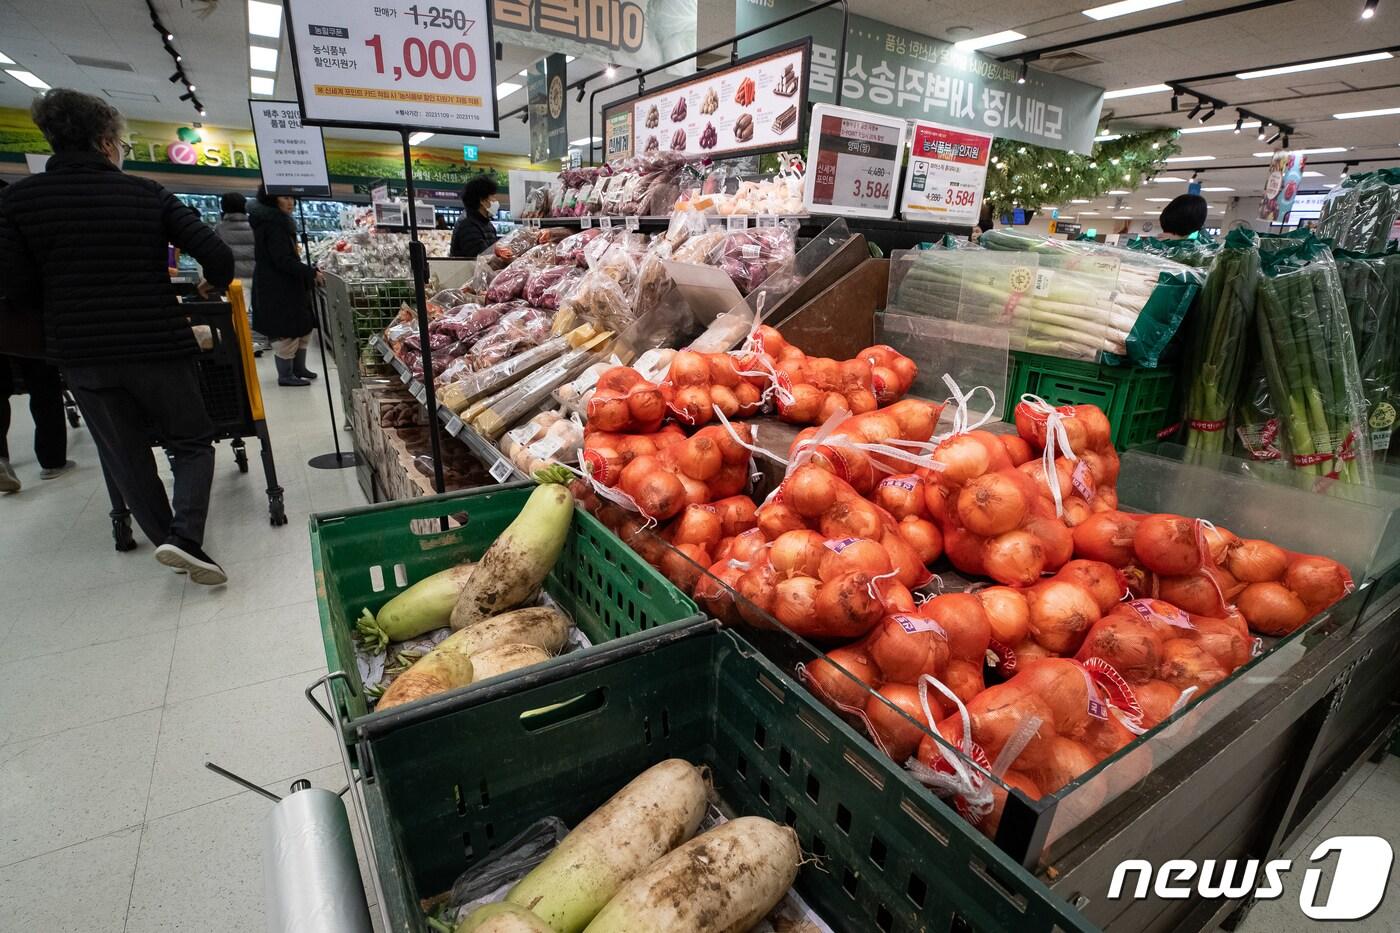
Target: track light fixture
x=1208 y=114
x=1263 y=130
x=1286 y=141
x=187 y=96
x=1176 y=102
x=1239 y=123
x=610 y=71
x=1196 y=109
x=580 y=94
x=177 y=77
x=1025 y=70
x=1275 y=138
x=1369 y=10
x=525 y=117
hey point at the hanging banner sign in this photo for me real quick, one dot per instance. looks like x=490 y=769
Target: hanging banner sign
x=629 y=33
x=947 y=174
x=549 y=129
x=758 y=104
x=853 y=160
x=291 y=156
x=897 y=71
x=1285 y=175
x=365 y=64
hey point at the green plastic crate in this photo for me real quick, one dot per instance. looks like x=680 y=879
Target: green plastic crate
x=888 y=857
x=1140 y=403
x=363 y=557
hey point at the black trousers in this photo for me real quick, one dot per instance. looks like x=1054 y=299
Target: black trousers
x=129 y=407
x=45 y=387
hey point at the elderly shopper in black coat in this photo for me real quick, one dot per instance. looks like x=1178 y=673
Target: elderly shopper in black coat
x=85 y=245
x=281 y=287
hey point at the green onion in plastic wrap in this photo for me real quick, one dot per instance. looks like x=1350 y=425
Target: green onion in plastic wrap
x=1371 y=286
x=1217 y=338
x=1310 y=362
x=1079 y=301
x=1361 y=213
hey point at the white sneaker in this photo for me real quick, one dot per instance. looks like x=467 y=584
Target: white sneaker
x=56 y=472
x=9 y=482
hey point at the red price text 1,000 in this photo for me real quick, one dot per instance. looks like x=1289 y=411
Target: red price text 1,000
x=959 y=197
x=420 y=58
x=872 y=190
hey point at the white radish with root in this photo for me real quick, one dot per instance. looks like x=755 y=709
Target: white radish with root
x=722 y=881
x=657 y=811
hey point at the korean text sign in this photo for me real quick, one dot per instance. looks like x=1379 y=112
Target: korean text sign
x=896 y=71
x=372 y=64
x=292 y=156
x=853 y=162
x=947 y=174
x=630 y=33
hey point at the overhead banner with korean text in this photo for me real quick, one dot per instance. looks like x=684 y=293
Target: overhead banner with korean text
x=900 y=72
x=628 y=33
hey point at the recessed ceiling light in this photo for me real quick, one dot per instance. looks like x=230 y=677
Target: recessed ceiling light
x=27 y=77
x=986 y=42
x=1168 y=179
x=1136 y=91
x=1223 y=128
x=262 y=85
x=1314 y=66
x=1190 y=159
x=1124 y=7
x=1122 y=217
x=264 y=19
x=1217 y=189
x=1107 y=137
x=1359 y=114
x=261 y=58
x=1323 y=151
x=506 y=88
x=5 y=59
x=417 y=139
x=586 y=141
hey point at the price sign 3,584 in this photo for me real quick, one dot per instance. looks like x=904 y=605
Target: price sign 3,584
x=877 y=190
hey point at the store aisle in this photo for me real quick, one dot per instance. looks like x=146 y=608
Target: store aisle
x=119 y=679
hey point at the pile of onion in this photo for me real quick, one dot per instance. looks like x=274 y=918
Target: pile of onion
x=606 y=453
x=996 y=525
x=842 y=453
x=704 y=467
x=626 y=403
x=698 y=383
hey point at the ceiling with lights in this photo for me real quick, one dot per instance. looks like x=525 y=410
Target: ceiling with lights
x=1318 y=72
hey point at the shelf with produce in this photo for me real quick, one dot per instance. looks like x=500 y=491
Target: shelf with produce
x=499 y=467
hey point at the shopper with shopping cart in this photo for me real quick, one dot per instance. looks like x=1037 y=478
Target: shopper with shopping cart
x=84 y=245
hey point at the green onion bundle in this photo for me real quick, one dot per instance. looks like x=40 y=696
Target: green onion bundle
x=1310 y=363
x=1371 y=286
x=1217 y=340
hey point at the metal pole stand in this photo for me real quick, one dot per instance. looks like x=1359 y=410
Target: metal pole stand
x=340 y=459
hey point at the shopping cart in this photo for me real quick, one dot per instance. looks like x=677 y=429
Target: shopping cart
x=228 y=381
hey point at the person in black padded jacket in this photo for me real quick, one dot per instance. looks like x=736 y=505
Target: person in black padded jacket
x=281 y=301
x=85 y=246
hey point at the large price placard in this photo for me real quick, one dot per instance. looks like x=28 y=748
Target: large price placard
x=947 y=174
x=395 y=65
x=853 y=160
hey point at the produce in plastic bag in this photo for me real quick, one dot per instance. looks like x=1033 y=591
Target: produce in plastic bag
x=752 y=257
x=625 y=402
x=572 y=248
x=698 y=383
x=1371 y=286
x=1217 y=339
x=509 y=283
x=1360 y=214
x=516 y=331
x=1311 y=364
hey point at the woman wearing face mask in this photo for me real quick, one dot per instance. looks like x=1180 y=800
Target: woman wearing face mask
x=281 y=303
x=474 y=233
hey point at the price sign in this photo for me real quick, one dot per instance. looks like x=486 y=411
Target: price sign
x=454 y=425
x=633 y=222
x=853 y=160
x=291 y=157
x=372 y=64
x=585 y=222
x=501 y=470
x=947 y=174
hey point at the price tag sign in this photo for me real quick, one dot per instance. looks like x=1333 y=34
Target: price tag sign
x=501 y=470
x=454 y=425
x=853 y=160
x=419 y=392
x=632 y=222
x=585 y=222
x=766 y=220
x=947 y=174
x=379 y=64
x=605 y=223
x=406 y=376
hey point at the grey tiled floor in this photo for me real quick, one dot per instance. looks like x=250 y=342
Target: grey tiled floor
x=118 y=680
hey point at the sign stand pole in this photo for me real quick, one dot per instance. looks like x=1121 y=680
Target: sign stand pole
x=418 y=262
x=338 y=460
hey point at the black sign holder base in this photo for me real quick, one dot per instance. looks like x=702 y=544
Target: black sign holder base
x=339 y=460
